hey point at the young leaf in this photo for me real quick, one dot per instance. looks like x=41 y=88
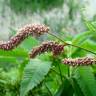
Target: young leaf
x=34 y=73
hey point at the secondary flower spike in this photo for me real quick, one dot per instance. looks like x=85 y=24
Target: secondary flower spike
x=24 y=32
x=79 y=61
x=55 y=47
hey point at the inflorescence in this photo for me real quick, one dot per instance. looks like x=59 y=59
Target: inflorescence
x=33 y=30
x=79 y=61
x=55 y=47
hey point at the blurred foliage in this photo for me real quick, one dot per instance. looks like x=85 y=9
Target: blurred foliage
x=46 y=75
x=34 y=5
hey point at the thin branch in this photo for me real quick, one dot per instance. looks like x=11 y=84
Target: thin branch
x=71 y=44
x=82 y=48
x=58 y=38
x=58 y=73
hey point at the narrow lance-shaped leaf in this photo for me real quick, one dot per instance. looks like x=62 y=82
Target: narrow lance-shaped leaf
x=87 y=44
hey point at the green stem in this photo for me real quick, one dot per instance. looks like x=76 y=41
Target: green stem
x=50 y=93
x=57 y=73
x=82 y=48
x=60 y=72
x=69 y=56
x=58 y=38
x=68 y=71
x=71 y=44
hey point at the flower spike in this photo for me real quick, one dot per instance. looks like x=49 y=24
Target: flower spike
x=47 y=46
x=79 y=61
x=24 y=32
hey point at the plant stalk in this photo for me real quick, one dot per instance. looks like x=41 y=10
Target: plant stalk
x=65 y=43
x=48 y=89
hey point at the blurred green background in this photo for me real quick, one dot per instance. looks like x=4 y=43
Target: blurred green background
x=63 y=16
x=71 y=20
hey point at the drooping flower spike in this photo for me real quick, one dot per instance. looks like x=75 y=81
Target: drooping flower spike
x=55 y=47
x=79 y=61
x=24 y=32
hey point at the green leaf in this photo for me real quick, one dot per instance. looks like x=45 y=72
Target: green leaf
x=34 y=73
x=77 y=89
x=22 y=66
x=86 y=80
x=81 y=37
x=65 y=89
x=29 y=43
x=90 y=26
x=17 y=52
x=8 y=59
x=87 y=44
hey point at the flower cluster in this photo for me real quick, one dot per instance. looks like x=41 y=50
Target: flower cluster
x=56 y=48
x=33 y=30
x=47 y=46
x=79 y=61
